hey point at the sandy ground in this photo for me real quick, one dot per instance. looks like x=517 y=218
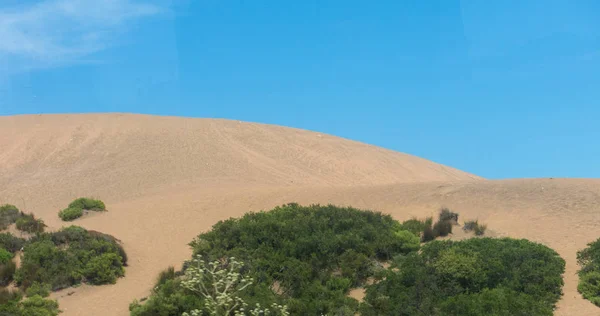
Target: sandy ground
x=165 y=180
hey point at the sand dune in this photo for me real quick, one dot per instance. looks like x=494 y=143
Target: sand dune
x=166 y=179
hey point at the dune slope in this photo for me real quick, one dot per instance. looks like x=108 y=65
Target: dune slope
x=166 y=179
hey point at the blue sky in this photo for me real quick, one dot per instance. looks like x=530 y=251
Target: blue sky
x=502 y=89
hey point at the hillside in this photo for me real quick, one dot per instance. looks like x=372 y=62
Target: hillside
x=166 y=179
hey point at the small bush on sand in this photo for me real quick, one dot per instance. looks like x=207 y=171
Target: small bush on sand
x=474 y=226
x=480 y=229
x=28 y=223
x=88 y=204
x=70 y=214
x=447 y=215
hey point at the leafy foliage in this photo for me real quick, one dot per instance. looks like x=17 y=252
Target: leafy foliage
x=307 y=258
x=417 y=226
x=37 y=288
x=481 y=276
x=589 y=274
x=219 y=284
x=68 y=257
x=70 y=214
x=5 y=256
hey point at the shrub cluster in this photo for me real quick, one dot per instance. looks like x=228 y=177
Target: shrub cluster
x=28 y=223
x=11 y=303
x=68 y=257
x=10 y=242
x=76 y=208
x=307 y=258
x=481 y=276
x=589 y=274
x=474 y=226
x=8 y=215
x=428 y=230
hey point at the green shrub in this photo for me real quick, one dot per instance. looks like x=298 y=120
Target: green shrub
x=39 y=306
x=37 y=288
x=479 y=276
x=70 y=214
x=88 y=204
x=5 y=256
x=469 y=226
x=11 y=243
x=69 y=257
x=165 y=275
x=428 y=234
x=28 y=223
x=312 y=254
x=480 y=229
x=447 y=215
x=497 y=302
x=589 y=286
x=474 y=226
x=414 y=226
x=589 y=274
x=8 y=215
x=442 y=228
x=7 y=272
x=104 y=269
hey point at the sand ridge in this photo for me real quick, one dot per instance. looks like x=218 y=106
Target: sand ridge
x=166 y=179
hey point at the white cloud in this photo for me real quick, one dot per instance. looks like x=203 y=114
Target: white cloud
x=57 y=32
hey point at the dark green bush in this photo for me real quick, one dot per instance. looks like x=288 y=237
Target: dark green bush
x=88 y=204
x=70 y=214
x=428 y=234
x=474 y=226
x=589 y=274
x=166 y=275
x=447 y=215
x=28 y=223
x=7 y=272
x=37 y=288
x=442 y=228
x=10 y=242
x=496 y=302
x=315 y=254
x=8 y=215
x=481 y=276
x=68 y=257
